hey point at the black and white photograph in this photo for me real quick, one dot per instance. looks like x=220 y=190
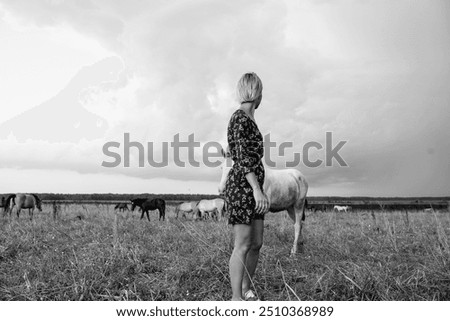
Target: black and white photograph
x=295 y=152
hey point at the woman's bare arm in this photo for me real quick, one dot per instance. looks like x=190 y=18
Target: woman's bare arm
x=262 y=204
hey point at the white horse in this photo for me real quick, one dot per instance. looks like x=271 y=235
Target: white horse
x=341 y=208
x=211 y=207
x=186 y=207
x=285 y=190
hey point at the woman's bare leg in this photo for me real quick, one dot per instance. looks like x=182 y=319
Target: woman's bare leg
x=253 y=253
x=242 y=241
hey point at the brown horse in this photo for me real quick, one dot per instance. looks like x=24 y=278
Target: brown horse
x=150 y=205
x=23 y=201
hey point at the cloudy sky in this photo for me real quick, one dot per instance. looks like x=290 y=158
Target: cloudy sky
x=75 y=75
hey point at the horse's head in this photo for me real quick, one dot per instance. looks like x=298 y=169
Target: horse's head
x=133 y=205
x=38 y=202
x=226 y=167
x=136 y=202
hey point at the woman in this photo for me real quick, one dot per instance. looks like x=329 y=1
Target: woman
x=244 y=195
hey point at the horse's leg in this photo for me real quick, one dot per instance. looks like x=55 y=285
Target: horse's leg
x=148 y=215
x=142 y=213
x=30 y=212
x=296 y=213
x=163 y=212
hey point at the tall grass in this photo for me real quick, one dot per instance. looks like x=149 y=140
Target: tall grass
x=91 y=252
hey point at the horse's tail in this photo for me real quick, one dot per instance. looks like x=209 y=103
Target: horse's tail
x=116 y=207
x=163 y=205
x=10 y=199
x=302 y=185
x=304 y=209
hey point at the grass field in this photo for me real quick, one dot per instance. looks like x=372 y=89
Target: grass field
x=351 y=256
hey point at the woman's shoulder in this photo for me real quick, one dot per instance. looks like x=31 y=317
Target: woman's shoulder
x=238 y=116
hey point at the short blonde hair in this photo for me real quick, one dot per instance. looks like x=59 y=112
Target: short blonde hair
x=249 y=88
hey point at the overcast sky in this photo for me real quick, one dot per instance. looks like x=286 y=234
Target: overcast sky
x=75 y=75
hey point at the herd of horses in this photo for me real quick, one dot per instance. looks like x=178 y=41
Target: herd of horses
x=202 y=209
x=285 y=190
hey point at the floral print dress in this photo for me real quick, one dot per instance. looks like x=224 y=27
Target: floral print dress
x=245 y=144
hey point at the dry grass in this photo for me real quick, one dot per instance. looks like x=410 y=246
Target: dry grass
x=88 y=255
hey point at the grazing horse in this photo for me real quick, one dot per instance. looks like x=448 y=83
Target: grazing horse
x=210 y=207
x=285 y=190
x=341 y=208
x=186 y=207
x=150 y=205
x=23 y=201
x=122 y=207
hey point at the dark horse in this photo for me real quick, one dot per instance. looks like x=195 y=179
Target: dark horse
x=150 y=205
x=122 y=207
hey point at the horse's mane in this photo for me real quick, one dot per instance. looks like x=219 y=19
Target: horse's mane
x=38 y=200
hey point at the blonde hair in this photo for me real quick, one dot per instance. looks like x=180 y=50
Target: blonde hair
x=249 y=88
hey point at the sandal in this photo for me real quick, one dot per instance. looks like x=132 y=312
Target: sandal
x=250 y=296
